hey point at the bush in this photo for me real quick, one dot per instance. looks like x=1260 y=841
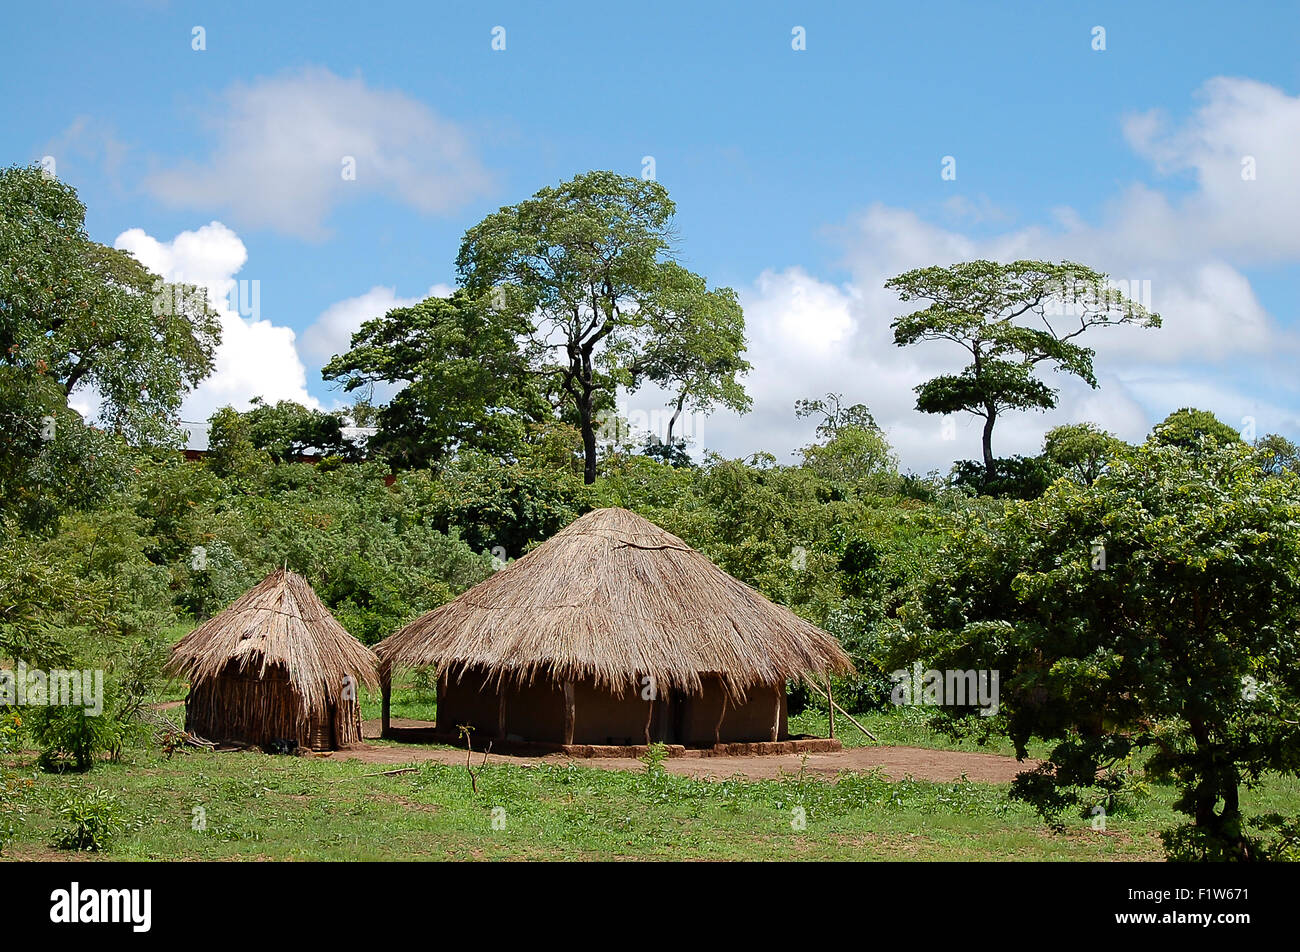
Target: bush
x=90 y=822
x=1013 y=477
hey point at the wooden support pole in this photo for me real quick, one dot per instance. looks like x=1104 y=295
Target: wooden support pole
x=501 y=710
x=570 y=713
x=386 y=700
x=776 y=712
x=830 y=708
x=717 y=729
x=854 y=720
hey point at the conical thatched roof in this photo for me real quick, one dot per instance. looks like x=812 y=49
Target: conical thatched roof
x=614 y=597
x=279 y=622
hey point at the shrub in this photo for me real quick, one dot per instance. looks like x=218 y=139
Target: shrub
x=90 y=822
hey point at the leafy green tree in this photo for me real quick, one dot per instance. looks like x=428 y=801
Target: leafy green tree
x=1278 y=454
x=288 y=430
x=76 y=316
x=494 y=507
x=1188 y=427
x=835 y=415
x=855 y=460
x=586 y=264
x=1081 y=450
x=466 y=379
x=691 y=346
x=1012 y=319
x=1152 y=613
x=1013 y=477
x=89 y=316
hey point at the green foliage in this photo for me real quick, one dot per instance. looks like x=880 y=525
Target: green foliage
x=1152 y=612
x=284 y=431
x=464 y=376
x=1081 y=451
x=90 y=822
x=497 y=507
x=979 y=305
x=76 y=316
x=1012 y=477
x=1191 y=428
x=585 y=265
x=86 y=315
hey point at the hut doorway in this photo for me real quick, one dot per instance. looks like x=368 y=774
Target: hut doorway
x=668 y=714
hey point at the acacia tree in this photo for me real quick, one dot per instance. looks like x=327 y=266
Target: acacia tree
x=1153 y=612
x=1013 y=319
x=587 y=265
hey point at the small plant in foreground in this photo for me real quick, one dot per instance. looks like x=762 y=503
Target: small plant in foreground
x=90 y=822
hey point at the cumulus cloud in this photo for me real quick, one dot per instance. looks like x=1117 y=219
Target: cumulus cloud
x=256 y=357
x=808 y=337
x=280 y=144
x=1239 y=146
x=331 y=332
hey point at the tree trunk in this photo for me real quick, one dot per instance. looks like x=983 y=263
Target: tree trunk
x=581 y=367
x=990 y=418
x=672 y=422
x=588 y=443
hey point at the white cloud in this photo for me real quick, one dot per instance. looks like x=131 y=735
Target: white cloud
x=331 y=332
x=256 y=357
x=808 y=337
x=280 y=144
x=1238 y=120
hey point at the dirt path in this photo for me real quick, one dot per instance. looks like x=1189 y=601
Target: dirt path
x=895 y=762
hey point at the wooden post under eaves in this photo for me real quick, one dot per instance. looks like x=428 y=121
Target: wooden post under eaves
x=569 y=712
x=385 y=704
x=830 y=705
x=776 y=713
x=717 y=728
x=501 y=711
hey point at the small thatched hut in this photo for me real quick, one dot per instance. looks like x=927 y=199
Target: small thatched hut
x=613 y=632
x=274 y=666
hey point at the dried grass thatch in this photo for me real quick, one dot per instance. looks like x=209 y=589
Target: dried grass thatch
x=615 y=598
x=277 y=634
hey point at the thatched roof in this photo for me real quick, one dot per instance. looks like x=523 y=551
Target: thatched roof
x=280 y=622
x=614 y=597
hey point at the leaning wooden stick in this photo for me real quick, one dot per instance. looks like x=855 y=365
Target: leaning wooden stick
x=851 y=718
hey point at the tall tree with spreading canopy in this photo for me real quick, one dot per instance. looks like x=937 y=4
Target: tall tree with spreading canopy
x=79 y=317
x=587 y=264
x=692 y=349
x=1012 y=319
x=465 y=373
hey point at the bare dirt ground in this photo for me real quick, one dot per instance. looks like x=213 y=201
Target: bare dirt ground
x=895 y=762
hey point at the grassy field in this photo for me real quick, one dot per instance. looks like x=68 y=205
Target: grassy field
x=262 y=807
x=255 y=806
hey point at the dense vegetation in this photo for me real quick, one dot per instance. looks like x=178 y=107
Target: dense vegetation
x=1127 y=672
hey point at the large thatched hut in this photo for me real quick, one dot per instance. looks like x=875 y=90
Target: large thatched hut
x=274 y=666
x=613 y=632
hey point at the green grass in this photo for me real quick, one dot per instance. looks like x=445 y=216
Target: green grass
x=319 y=809
x=261 y=807
x=306 y=808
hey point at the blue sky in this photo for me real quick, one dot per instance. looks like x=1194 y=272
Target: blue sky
x=802 y=178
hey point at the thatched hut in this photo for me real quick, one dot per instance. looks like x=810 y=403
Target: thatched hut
x=613 y=632
x=274 y=666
